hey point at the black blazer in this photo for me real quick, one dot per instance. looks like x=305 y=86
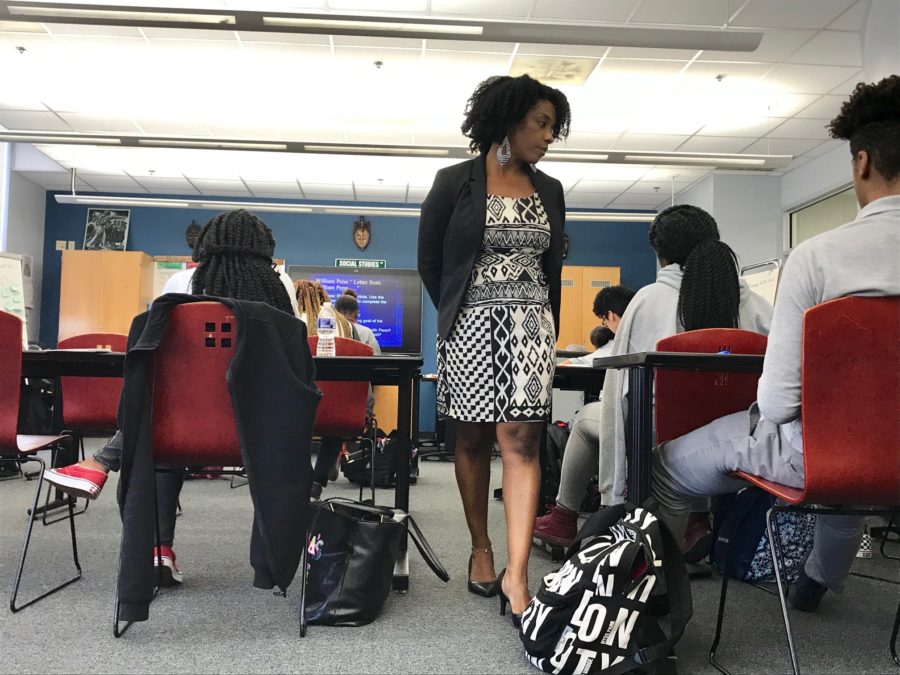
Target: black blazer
x=451 y=230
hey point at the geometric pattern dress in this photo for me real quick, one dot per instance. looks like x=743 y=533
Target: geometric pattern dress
x=497 y=363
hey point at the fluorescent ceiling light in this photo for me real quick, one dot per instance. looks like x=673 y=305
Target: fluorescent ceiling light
x=334 y=209
x=224 y=145
x=377 y=150
x=529 y=32
x=575 y=157
x=117 y=14
x=51 y=139
x=675 y=158
x=364 y=26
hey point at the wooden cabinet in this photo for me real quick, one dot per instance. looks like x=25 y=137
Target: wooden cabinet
x=579 y=286
x=102 y=291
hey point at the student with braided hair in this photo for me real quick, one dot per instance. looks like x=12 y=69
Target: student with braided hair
x=696 y=287
x=234 y=251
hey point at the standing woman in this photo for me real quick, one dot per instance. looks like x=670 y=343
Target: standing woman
x=490 y=257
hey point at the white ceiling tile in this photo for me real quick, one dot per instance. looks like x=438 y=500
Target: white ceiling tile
x=824 y=108
x=681 y=173
x=449 y=136
x=470 y=46
x=165 y=184
x=54 y=180
x=659 y=189
x=120 y=183
x=602 y=186
x=639 y=202
x=94 y=124
x=218 y=192
x=214 y=184
x=17 y=120
x=683 y=12
x=829 y=47
x=284 y=38
x=730 y=69
x=853 y=19
x=846 y=87
x=414 y=44
x=792 y=14
x=588 y=201
x=325 y=191
x=799 y=128
x=826 y=146
x=575 y=11
x=805 y=79
x=776 y=45
x=580 y=140
x=233 y=129
x=781 y=146
x=383 y=133
x=797 y=162
x=751 y=127
x=718 y=144
x=213 y=35
x=645 y=53
x=511 y=9
x=655 y=67
x=80 y=29
x=282 y=189
x=17 y=100
x=660 y=143
x=173 y=126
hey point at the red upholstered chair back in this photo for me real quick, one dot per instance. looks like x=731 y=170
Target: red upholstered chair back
x=193 y=418
x=342 y=411
x=91 y=403
x=687 y=400
x=851 y=401
x=10 y=378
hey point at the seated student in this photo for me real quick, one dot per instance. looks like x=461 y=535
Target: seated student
x=348 y=305
x=601 y=339
x=559 y=524
x=859 y=258
x=234 y=251
x=311 y=295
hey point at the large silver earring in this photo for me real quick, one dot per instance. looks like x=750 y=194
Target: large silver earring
x=504 y=151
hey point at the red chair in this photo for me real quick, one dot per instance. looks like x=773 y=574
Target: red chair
x=342 y=411
x=90 y=404
x=18 y=449
x=679 y=393
x=850 y=391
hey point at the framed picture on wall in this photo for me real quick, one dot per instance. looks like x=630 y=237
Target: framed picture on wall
x=106 y=229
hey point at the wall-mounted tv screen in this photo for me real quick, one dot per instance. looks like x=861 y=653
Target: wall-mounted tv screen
x=390 y=302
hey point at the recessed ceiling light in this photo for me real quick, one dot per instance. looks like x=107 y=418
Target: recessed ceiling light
x=365 y=26
x=117 y=14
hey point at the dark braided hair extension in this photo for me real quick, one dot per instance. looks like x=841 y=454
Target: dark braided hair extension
x=235 y=251
x=501 y=102
x=710 y=295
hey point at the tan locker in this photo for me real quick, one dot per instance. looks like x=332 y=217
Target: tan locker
x=579 y=286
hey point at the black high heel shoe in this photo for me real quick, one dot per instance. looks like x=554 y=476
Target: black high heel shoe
x=516 y=618
x=486 y=589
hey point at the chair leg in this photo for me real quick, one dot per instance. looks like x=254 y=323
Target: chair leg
x=887 y=533
x=775 y=548
x=894 y=632
x=70 y=500
x=28 y=530
x=719 y=621
x=303 y=577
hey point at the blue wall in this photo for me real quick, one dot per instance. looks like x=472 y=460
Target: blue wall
x=317 y=239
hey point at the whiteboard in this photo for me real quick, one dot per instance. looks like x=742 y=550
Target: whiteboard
x=12 y=290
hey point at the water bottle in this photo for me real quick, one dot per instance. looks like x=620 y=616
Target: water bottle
x=326 y=326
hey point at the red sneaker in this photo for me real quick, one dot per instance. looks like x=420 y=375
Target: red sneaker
x=77 y=480
x=558 y=526
x=169 y=574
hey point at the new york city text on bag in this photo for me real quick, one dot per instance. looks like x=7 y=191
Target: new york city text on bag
x=597 y=613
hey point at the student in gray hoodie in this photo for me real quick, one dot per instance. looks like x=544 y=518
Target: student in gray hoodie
x=696 y=287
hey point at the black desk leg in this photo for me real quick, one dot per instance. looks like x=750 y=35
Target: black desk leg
x=401 y=496
x=639 y=437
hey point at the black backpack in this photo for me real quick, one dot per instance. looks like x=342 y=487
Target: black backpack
x=359 y=470
x=598 y=612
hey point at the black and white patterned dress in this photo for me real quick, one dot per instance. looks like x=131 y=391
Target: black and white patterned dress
x=497 y=363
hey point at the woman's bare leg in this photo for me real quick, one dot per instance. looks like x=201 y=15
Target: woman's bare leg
x=473 y=477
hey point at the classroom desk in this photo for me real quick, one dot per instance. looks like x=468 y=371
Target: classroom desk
x=402 y=371
x=639 y=425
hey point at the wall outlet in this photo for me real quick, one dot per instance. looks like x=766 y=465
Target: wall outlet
x=61 y=244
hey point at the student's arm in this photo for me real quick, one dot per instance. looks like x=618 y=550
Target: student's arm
x=778 y=394
x=435 y=214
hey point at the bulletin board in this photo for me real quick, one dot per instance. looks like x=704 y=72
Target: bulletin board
x=12 y=290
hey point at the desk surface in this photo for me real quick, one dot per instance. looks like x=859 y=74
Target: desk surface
x=64 y=362
x=684 y=361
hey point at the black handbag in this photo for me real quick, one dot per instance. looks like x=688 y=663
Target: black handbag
x=352 y=549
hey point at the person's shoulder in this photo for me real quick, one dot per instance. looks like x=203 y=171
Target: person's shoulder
x=454 y=172
x=180 y=282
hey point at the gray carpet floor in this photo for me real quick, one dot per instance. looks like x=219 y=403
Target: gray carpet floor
x=217 y=623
